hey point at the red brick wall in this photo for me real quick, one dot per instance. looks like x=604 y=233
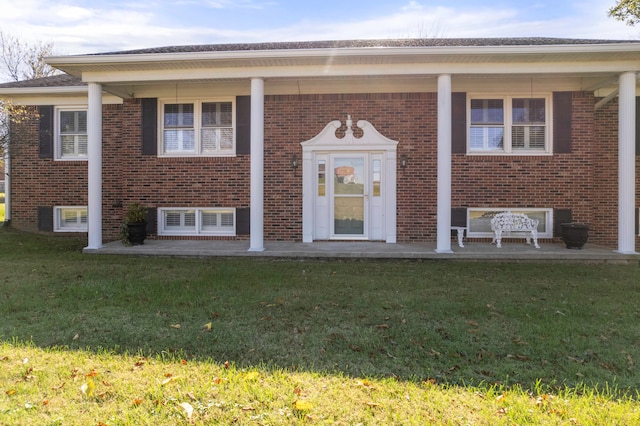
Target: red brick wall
x=584 y=181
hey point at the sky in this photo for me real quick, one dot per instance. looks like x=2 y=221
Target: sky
x=94 y=26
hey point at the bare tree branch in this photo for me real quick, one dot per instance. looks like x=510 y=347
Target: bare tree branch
x=22 y=61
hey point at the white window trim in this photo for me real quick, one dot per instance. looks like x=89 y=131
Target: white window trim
x=197 y=126
x=57 y=144
x=225 y=231
x=57 y=216
x=508 y=112
x=548 y=224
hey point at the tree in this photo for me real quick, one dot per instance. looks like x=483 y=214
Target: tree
x=23 y=61
x=627 y=11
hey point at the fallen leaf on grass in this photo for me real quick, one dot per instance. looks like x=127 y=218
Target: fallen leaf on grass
x=92 y=373
x=188 y=410
x=4 y=358
x=218 y=380
x=382 y=326
x=372 y=404
x=183 y=361
x=10 y=392
x=175 y=326
x=248 y=408
x=137 y=402
x=88 y=388
x=302 y=405
x=168 y=380
x=207 y=327
x=60 y=386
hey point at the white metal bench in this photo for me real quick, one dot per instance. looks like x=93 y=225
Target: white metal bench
x=514 y=222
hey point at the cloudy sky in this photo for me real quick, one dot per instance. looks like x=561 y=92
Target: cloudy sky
x=78 y=26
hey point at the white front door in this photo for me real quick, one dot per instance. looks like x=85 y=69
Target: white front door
x=349 y=185
x=349 y=198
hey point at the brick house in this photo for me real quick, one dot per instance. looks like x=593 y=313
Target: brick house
x=382 y=140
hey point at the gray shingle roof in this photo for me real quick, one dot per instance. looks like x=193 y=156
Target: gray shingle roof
x=336 y=44
x=60 y=80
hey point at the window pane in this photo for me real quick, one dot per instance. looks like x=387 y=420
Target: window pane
x=171 y=219
x=528 y=110
x=209 y=140
x=81 y=121
x=217 y=114
x=190 y=219
x=178 y=115
x=487 y=111
x=486 y=138
x=226 y=139
x=528 y=137
x=179 y=141
x=67 y=122
x=209 y=220
x=68 y=145
x=82 y=145
x=226 y=219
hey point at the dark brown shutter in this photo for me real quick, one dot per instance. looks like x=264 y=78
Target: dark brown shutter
x=562 y=110
x=458 y=123
x=45 y=131
x=243 y=221
x=459 y=216
x=45 y=219
x=152 y=221
x=637 y=126
x=243 y=124
x=149 y=126
x=560 y=216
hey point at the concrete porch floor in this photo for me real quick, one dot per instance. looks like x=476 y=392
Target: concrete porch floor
x=475 y=251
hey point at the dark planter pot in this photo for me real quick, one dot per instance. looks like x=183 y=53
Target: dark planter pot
x=137 y=233
x=575 y=235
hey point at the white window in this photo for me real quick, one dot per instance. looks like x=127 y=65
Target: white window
x=197 y=221
x=71 y=133
x=70 y=219
x=194 y=128
x=509 y=125
x=479 y=220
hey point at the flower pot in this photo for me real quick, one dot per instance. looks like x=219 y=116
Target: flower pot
x=137 y=233
x=574 y=235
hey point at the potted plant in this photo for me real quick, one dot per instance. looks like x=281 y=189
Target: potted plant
x=133 y=229
x=574 y=235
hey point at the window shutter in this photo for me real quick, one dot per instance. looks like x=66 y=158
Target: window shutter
x=560 y=216
x=459 y=216
x=152 y=221
x=459 y=123
x=149 y=126
x=562 y=110
x=45 y=131
x=243 y=221
x=45 y=219
x=637 y=126
x=243 y=125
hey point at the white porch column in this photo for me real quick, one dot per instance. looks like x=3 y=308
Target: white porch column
x=444 y=165
x=7 y=184
x=257 y=165
x=94 y=154
x=627 y=164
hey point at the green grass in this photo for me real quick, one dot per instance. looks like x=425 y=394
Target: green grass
x=317 y=342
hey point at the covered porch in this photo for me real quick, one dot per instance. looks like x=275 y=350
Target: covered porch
x=516 y=251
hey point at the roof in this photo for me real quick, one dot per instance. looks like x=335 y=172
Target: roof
x=378 y=43
x=59 y=80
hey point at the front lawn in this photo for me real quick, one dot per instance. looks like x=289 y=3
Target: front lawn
x=119 y=340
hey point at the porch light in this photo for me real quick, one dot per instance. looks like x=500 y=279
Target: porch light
x=294 y=162
x=403 y=161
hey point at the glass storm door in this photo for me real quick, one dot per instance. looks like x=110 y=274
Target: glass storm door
x=349 y=210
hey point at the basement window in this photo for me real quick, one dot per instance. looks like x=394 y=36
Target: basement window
x=197 y=221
